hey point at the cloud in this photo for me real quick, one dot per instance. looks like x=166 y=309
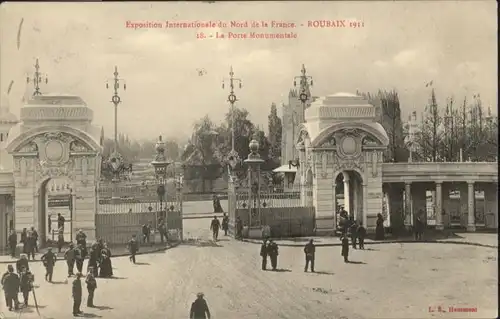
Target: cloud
x=406 y=58
x=380 y=64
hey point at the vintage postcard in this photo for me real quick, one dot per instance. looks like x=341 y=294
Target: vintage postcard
x=254 y=160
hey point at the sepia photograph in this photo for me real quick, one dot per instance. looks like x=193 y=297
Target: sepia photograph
x=249 y=159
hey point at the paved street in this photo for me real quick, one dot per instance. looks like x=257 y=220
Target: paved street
x=392 y=281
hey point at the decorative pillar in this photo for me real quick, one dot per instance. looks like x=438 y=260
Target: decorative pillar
x=160 y=164
x=255 y=218
x=347 y=197
x=438 y=205
x=408 y=212
x=365 y=205
x=471 y=223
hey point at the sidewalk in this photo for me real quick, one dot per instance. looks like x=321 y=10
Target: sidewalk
x=115 y=251
x=471 y=239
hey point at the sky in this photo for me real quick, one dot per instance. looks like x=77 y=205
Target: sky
x=401 y=45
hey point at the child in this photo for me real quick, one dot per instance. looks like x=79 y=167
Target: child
x=91 y=286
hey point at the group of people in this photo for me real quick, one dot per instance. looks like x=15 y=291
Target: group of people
x=147 y=231
x=29 y=241
x=269 y=249
x=99 y=265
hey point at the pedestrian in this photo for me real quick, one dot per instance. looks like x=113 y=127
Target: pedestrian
x=60 y=240
x=49 y=261
x=60 y=221
x=12 y=242
x=419 y=225
x=91 y=287
x=214 y=203
x=310 y=251
x=22 y=262
x=34 y=233
x=146 y=233
x=214 y=227
x=133 y=247
x=26 y=284
x=24 y=240
x=10 y=285
x=94 y=258
x=354 y=235
x=361 y=231
x=81 y=239
x=263 y=254
x=162 y=229
x=239 y=228
x=273 y=254
x=225 y=224
x=77 y=294
x=69 y=256
x=199 y=308
x=345 y=248
x=49 y=222
x=379 y=229
x=79 y=258
x=106 y=269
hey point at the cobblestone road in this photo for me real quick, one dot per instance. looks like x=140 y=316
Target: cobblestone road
x=391 y=281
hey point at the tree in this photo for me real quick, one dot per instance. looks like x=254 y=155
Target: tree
x=275 y=129
x=390 y=118
x=201 y=154
x=430 y=135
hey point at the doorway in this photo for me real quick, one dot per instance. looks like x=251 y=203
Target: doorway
x=349 y=194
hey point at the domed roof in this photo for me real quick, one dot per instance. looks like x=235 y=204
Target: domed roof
x=56 y=107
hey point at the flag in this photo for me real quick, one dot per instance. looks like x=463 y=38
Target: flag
x=10 y=86
x=429 y=84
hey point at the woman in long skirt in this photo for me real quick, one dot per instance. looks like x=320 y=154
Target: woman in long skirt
x=106 y=270
x=93 y=260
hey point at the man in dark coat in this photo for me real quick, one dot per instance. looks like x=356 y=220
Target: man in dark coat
x=273 y=254
x=60 y=221
x=133 y=247
x=310 y=251
x=34 y=234
x=239 y=228
x=162 y=229
x=30 y=248
x=379 y=230
x=354 y=235
x=199 y=308
x=79 y=258
x=225 y=224
x=77 y=294
x=49 y=261
x=12 y=243
x=214 y=227
x=146 y=233
x=24 y=240
x=419 y=226
x=263 y=254
x=10 y=284
x=69 y=255
x=81 y=240
x=361 y=231
x=22 y=262
x=345 y=248
x=60 y=240
x=26 y=284
x=94 y=259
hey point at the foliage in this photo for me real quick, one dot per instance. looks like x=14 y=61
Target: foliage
x=430 y=135
x=275 y=129
x=390 y=118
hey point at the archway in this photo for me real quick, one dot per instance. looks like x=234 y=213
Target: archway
x=55 y=197
x=349 y=194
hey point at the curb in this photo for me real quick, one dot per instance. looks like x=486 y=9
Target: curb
x=450 y=242
x=157 y=250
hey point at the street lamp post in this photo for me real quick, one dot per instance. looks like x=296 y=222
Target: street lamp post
x=233 y=156
x=254 y=162
x=304 y=82
x=115 y=161
x=160 y=164
x=37 y=79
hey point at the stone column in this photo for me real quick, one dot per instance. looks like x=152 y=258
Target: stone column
x=347 y=197
x=334 y=204
x=471 y=223
x=365 y=205
x=438 y=205
x=408 y=212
